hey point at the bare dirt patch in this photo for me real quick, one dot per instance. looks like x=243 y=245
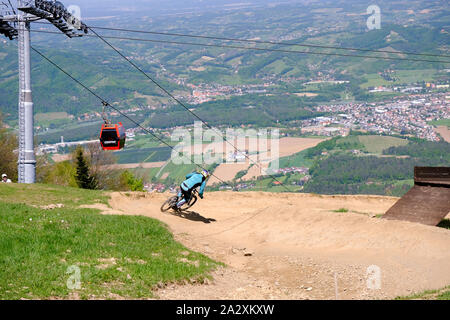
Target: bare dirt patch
x=287 y=146
x=300 y=246
x=306 y=94
x=444 y=131
x=227 y=171
x=198 y=69
x=104 y=209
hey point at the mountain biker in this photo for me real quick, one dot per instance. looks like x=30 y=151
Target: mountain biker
x=193 y=180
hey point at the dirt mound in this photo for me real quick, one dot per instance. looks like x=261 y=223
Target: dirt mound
x=302 y=246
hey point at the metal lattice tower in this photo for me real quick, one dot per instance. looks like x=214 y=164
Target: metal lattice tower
x=27 y=160
x=29 y=11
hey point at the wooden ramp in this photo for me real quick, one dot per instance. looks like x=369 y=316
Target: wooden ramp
x=428 y=202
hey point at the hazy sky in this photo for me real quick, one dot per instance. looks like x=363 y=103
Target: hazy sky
x=157 y=6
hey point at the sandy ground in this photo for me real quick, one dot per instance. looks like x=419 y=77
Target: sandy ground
x=294 y=246
x=227 y=171
x=255 y=171
x=287 y=146
x=444 y=132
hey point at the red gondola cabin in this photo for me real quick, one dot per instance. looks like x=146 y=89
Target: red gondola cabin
x=112 y=136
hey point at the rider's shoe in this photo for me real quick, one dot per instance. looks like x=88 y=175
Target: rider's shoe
x=180 y=204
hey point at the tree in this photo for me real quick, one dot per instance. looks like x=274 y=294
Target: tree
x=128 y=181
x=101 y=165
x=83 y=176
x=8 y=158
x=60 y=173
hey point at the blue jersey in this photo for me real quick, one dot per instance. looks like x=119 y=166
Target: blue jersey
x=193 y=180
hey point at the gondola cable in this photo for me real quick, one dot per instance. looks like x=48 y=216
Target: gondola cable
x=105 y=103
x=262 y=49
x=183 y=105
x=263 y=42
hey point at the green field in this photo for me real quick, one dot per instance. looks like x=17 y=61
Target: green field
x=376 y=144
x=50 y=116
x=296 y=160
x=440 y=122
x=146 y=141
x=404 y=77
x=269 y=184
x=176 y=173
x=155 y=154
x=37 y=194
x=145 y=173
x=42 y=251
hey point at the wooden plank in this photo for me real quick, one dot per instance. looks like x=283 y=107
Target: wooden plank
x=423 y=204
x=432 y=176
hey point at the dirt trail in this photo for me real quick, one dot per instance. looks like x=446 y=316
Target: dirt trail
x=295 y=246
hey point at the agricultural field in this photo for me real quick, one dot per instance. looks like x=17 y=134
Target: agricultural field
x=143 y=155
x=296 y=160
x=403 y=77
x=444 y=132
x=287 y=147
x=441 y=122
x=376 y=144
x=49 y=116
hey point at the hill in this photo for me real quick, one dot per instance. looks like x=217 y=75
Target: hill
x=183 y=68
x=290 y=246
x=49 y=238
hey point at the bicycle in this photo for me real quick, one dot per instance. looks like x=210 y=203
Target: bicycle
x=171 y=203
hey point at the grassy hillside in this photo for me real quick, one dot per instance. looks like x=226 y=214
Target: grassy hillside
x=117 y=256
x=376 y=144
x=440 y=294
x=359 y=164
x=112 y=78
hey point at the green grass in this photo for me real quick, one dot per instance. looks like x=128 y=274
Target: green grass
x=177 y=172
x=266 y=184
x=126 y=256
x=341 y=210
x=440 y=122
x=40 y=195
x=55 y=118
x=146 y=141
x=440 y=294
x=295 y=160
x=49 y=116
x=146 y=173
x=445 y=223
x=140 y=155
x=376 y=144
x=404 y=76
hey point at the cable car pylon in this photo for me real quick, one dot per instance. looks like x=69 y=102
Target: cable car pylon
x=16 y=24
